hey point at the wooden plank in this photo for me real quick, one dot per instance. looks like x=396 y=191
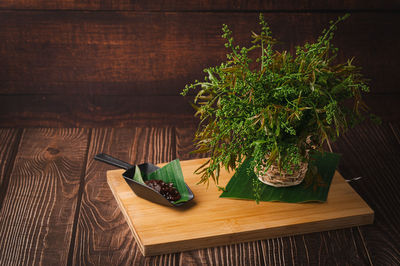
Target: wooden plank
x=9 y=140
x=8 y=143
x=372 y=153
x=310 y=249
x=212 y=221
x=384 y=105
x=126 y=111
x=157 y=53
x=103 y=237
x=395 y=128
x=338 y=247
x=174 y=5
x=38 y=210
x=184 y=142
x=93 y=111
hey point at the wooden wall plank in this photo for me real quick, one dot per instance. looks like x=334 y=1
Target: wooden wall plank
x=184 y=142
x=157 y=53
x=372 y=152
x=311 y=249
x=103 y=237
x=127 y=68
x=93 y=111
x=386 y=106
x=125 y=111
x=38 y=210
x=226 y=5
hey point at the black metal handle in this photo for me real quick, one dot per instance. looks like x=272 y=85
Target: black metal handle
x=105 y=158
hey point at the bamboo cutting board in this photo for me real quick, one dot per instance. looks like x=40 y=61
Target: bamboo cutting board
x=209 y=221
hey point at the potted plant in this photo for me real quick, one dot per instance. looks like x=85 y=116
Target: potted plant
x=274 y=107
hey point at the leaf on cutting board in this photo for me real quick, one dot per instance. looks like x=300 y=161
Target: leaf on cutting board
x=315 y=187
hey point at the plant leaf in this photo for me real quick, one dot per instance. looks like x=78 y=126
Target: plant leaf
x=314 y=188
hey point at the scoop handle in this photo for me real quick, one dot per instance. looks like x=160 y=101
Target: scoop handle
x=105 y=158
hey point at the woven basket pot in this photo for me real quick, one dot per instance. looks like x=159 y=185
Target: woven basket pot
x=273 y=177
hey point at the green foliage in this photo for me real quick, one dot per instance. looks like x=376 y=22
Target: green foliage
x=262 y=102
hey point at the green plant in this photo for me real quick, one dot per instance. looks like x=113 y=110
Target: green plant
x=277 y=106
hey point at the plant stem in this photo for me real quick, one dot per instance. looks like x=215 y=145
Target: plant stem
x=262 y=55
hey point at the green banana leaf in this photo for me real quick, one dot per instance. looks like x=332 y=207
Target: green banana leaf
x=315 y=186
x=138 y=175
x=170 y=173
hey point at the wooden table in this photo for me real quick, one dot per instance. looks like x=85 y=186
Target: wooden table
x=56 y=206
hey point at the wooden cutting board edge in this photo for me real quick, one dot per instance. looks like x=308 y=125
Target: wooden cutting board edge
x=263 y=234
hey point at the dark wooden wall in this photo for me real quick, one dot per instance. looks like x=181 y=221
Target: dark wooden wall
x=122 y=62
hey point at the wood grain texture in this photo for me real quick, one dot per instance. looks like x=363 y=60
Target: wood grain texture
x=38 y=210
x=126 y=111
x=93 y=111
x=116 y=69
x=103 y=237
x=377 y=163
x=373 y=153
x=9 y=140
x=310 y=249
x=174 y=5
x=157 y=53
x=395 y=128
x=184 y=142
x=385 y=106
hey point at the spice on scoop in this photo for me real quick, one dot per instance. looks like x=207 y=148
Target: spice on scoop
x=166 y=189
